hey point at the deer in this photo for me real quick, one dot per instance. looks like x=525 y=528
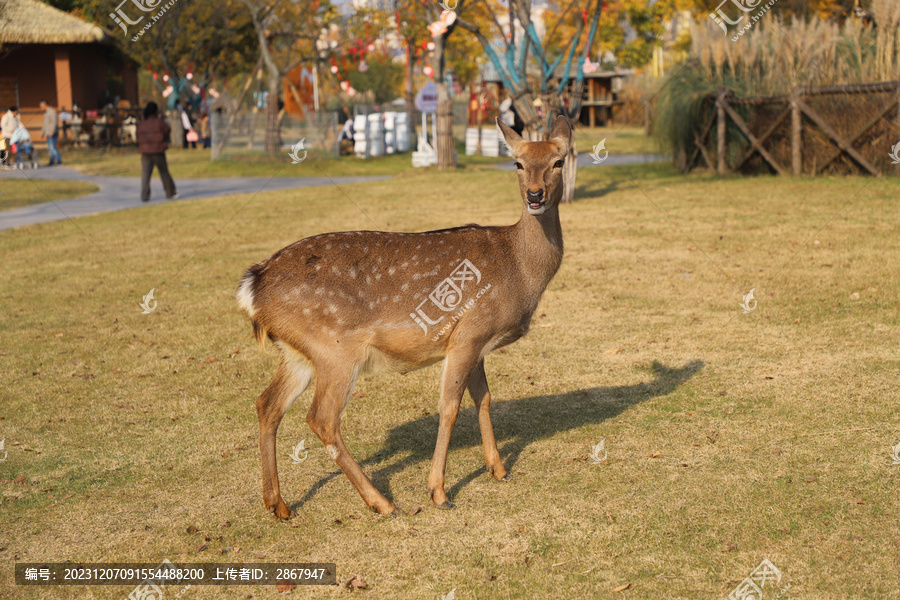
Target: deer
x=337 y=305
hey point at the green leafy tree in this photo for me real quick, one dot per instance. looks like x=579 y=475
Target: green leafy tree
x=213 y=40
x=382 y=77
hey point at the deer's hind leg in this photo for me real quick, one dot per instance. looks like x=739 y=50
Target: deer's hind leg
x=478 y=389
x=291 y=378
x=334 y=384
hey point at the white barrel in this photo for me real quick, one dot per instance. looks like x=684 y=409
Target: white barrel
x=401 y=132
x=390 y=132
x=375 y=135
x=359 y=135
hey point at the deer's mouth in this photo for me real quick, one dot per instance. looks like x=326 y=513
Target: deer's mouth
x=536 y=208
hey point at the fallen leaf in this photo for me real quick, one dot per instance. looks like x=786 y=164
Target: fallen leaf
x=202 y=547
x=211 y=359
x=285 y=586
x=225 y=524
x=357 y=583
x=614 y=351
x=259 y=555
x=226 y=454
x=20 y=479
x=861 y=502
x=654 y=455
x=810 y=479
x=415 y=509
x=359 y=395
x=692 y=412
x=622 y=587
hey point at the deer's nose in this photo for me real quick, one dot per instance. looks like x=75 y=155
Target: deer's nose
x=535 y=196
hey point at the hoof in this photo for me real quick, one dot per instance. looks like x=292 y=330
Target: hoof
x=281 y=510
x=446 y=505
x=391 y=511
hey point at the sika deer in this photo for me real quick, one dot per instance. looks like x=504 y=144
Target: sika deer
x=340 y=304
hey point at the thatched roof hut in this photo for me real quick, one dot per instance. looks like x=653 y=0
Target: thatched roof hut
x=48 y=54
x=32 y=22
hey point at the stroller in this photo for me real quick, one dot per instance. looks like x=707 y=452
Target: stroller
x=23 y=148
x=24 y=151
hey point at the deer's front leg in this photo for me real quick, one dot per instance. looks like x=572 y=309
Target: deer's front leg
x=458 y=368
x=478 y=389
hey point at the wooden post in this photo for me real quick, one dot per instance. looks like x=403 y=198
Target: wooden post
x=796 y=134
x=591 y=111
x=720 y=117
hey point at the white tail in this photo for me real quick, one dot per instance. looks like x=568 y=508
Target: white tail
x=340 y=304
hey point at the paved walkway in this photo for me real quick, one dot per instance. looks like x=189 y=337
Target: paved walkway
x=119 y=193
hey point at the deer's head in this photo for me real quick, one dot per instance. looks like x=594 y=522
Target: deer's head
x=540 y=165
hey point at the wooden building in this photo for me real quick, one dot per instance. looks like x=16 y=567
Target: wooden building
x=599 y=98
x=48 y=54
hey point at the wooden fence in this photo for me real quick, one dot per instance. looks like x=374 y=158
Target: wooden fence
x=841 y=129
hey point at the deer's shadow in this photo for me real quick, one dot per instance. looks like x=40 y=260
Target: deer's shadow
x=517 y=423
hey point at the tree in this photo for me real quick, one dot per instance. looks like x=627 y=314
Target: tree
x=381 y=76
x=286 y=35
x=443 y=23
x=513 y=73
x=212 y=40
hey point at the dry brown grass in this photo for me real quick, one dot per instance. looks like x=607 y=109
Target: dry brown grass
x=731 y=437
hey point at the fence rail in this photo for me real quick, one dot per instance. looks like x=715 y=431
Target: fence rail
x=814 y=130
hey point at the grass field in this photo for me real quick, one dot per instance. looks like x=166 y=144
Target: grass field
x=731 y=437
x=15 y=193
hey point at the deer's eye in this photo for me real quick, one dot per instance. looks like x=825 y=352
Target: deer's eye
x=519 y=165
x=558 y=164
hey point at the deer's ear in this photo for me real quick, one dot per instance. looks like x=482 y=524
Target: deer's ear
x=561 y=133
x=512 y=139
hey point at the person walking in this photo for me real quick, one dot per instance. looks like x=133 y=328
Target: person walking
x=190 y=136
x=50 y=132
x=204 y=129
x=151 y=138
x=10 y=122
x=8 y=125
